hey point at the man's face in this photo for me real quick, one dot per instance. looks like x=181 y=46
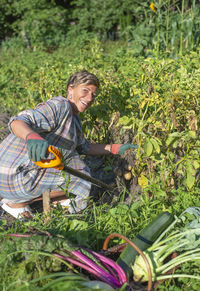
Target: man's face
x=82 y=97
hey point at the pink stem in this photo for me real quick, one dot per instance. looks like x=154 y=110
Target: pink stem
x=89 y=262
x=116 y=267
x=110 y=270
x=19 y=235
x=110 y=280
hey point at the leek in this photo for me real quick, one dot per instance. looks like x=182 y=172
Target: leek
x=184 y=241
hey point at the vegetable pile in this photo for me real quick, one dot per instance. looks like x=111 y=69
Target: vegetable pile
x=144 y=239
x=164 y=244
x=97 y=265
x=174 y=247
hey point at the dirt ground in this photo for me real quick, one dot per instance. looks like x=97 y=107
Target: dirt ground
x=4 y=118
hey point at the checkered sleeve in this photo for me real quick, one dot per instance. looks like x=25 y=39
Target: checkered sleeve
x=46 y=116
x=83 y=144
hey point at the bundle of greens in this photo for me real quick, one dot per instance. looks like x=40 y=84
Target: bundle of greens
x=56 y=252
x=181 y=237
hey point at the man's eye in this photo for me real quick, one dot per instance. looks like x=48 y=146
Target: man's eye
x=85 y=90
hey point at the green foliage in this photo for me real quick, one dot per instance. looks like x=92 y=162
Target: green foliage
x=171 y=26
x=36 y=23
x=95 y=16
x=164 y=118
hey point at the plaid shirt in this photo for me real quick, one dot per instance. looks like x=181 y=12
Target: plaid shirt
x=22 y=180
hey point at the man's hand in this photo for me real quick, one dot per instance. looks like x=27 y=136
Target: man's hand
x=36 y=146
x=119 y=149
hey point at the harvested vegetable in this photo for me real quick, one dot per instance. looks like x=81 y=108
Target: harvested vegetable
x=127 y=167
x=144 y=239
x=58 y=250
x=123 y=169
x=185 y=241
x=127 y=176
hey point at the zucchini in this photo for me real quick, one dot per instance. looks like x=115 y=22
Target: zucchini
x=144 y=240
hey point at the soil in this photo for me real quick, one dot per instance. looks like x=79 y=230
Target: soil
x=4 y=118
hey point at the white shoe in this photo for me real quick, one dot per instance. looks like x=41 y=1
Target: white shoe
x=64 y=203
x=22 y=212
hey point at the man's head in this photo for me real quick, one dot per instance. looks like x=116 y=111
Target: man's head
x=83 y=77
x=81 y=90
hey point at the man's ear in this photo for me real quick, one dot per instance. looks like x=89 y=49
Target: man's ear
x=69 y=89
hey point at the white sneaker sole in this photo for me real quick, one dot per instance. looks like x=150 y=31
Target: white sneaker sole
x=64 y=203
x=17 y=212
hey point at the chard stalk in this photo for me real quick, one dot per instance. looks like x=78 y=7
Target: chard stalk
x=177 y=276
x=166 y=267
x=161 y=251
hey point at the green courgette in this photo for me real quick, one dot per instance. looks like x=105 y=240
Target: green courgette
x=144 y=240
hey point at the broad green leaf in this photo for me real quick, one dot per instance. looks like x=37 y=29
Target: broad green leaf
x=125 y=120
x=155 y=145
x=196 y=164
x=158 y=140
x=171 y=156
x=189 y=168
x=172 y=138
x=175 y=143
x=148 y=148
x=192 y=134
x=180 y=169
x=190 y=180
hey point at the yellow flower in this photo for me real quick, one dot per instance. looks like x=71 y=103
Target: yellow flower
x=153 y=8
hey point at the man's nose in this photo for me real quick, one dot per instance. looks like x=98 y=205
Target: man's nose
x=90 y=96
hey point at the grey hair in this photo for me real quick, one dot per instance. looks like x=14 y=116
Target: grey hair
x=83 y=77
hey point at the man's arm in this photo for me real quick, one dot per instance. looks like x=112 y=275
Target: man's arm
x=36 y=145
x=107 y=149
x=20 y=129
x=99 y=149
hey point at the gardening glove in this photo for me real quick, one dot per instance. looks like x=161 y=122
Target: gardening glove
x=119 y=149
x=36 y=146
